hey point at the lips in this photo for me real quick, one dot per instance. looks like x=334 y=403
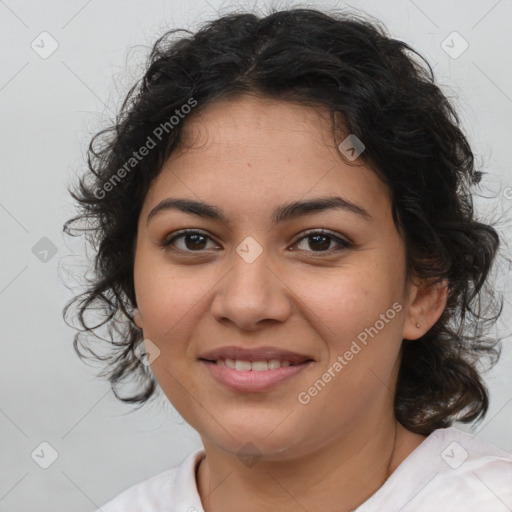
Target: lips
x=265 y=353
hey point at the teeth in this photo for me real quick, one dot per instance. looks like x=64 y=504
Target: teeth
x=257 y=366
x=242 y=365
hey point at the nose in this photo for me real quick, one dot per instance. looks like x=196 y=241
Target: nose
x=252 y=293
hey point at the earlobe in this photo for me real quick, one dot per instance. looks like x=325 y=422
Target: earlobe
x=137 y=318
x=427 y=303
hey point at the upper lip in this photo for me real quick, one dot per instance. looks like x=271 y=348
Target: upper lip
x=256 y=354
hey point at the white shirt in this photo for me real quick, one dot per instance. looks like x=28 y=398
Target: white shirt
x=450 y=470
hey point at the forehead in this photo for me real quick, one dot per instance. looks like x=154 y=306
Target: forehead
x=254 y=152
x=236 y=121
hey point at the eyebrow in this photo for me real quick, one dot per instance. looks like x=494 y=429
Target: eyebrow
x=281 y=214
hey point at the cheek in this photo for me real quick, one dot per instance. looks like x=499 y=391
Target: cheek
x=348 y=299
x=359 y=314
x=169 y=298
x=360 y=320
x=164 y=304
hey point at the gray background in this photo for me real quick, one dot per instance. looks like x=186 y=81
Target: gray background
x=49 y=108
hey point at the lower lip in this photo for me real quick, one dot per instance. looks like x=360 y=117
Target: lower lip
x=251 y=380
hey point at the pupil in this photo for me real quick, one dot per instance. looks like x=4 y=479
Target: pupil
x=194 y=237
x=323 y=246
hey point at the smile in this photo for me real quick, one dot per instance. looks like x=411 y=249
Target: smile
x=253 y=376
x=257 y=366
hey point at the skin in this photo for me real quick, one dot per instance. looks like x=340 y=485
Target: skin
x=247 y=157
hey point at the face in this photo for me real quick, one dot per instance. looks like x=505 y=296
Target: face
x=250 y=280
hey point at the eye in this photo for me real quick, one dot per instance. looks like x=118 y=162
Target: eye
x=321 y=239
x=193 y=241
x=196 y=241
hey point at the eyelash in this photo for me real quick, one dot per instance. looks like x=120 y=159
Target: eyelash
x=345 y=244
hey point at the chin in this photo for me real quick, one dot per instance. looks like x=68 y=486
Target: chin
x=270 y=440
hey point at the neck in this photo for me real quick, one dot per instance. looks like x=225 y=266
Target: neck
x=340 y=475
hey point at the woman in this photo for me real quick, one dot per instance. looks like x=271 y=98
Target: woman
x=283 y=214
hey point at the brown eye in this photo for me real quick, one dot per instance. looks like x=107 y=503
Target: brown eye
x=196 y=241
x=320 y=241
x=191 y=241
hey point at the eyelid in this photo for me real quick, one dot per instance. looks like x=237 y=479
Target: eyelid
x=343 y=242
x=321 y=231
x=181 y=232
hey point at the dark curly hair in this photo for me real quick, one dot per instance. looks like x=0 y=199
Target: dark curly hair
x=413 y=141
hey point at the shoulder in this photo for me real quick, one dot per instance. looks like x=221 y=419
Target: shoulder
x=450 y=470
x=464 y=453
x=166 y=491
x=470 y=459
x=464 y=472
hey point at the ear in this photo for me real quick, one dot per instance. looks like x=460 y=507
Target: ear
x=425 y=304
x=137 y=318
